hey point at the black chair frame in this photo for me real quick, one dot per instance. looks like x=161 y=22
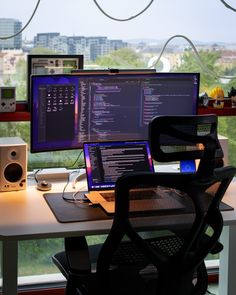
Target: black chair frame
x=183 y=271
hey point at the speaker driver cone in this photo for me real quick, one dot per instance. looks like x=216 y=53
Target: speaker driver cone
x=13 y=172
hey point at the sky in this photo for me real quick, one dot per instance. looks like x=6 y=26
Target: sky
x=201 y=20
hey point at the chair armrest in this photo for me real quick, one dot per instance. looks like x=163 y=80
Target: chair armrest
x=77 y=255
x=217 y=248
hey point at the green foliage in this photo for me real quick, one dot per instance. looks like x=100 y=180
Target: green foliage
x=230 y=71
x=124 y=58
x=226 y=127
x=18 y=79
x=189 y=63
x=70 y=159
x=35 y=256
x=21 y=78
x=42 y=50
x=7 y=81
x=11 y=129
x=232 y=83
x=21 y=70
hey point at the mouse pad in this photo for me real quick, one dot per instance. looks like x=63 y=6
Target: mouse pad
x=70 y=212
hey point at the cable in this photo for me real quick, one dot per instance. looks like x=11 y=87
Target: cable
x=65 y=186
x=12 y=36
x=122 y=19
x=81 y=199
x=227 y=5
x=36 y=175
x=204 y=67
x=77 y=158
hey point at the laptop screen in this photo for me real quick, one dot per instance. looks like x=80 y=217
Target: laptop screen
x=106 y=161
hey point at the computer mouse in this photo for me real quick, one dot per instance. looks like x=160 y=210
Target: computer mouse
x=43 y=185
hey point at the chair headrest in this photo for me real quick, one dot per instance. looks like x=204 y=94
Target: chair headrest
x=175 y=138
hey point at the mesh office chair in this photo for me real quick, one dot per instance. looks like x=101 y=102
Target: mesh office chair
x=166 y=265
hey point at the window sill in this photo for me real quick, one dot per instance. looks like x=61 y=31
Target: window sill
x=54 y=284
x=50 y=284
x=21 y=114
x=226 y=111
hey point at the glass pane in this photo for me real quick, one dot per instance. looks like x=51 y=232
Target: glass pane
x=79 y=27
x=109 y=43
x=35 y=257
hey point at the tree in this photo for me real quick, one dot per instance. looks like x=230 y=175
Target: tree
x=21 y=78
x=230 y=84
x=125 y=58
x=42 y=50
x=189 y=63
x=210 y=58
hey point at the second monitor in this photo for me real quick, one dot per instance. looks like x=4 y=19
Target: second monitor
x=68 y=110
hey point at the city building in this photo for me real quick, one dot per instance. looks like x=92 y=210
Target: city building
x=10 y=27
x=44 y=39
x=92 y=47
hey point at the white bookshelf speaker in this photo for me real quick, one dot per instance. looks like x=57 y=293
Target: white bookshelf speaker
x=13 y=164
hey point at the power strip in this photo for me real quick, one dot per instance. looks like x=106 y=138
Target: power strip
x=53 y=174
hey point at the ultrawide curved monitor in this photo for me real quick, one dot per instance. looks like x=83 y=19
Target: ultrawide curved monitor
x=68 y=110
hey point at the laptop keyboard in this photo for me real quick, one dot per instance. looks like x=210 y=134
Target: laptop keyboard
x=134 y=195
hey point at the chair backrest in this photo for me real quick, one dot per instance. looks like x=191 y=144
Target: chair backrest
x=174 y=138
x=176 y=271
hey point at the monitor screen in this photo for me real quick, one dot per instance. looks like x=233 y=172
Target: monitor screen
x=106 y=161
x=68 y=110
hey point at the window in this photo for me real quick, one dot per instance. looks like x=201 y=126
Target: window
x=79 y=27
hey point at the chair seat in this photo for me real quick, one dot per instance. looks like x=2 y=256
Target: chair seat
x=126 y=254
x=128 y=257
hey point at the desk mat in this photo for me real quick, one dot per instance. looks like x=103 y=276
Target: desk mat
x=70 y=212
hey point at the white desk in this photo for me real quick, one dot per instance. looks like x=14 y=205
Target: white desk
x=25 y=215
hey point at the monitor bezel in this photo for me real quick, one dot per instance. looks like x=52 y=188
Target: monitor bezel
x=79 y=58
x=86 y=74
x=112 y=143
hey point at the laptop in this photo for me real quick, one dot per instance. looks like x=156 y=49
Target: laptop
x=106 y=161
